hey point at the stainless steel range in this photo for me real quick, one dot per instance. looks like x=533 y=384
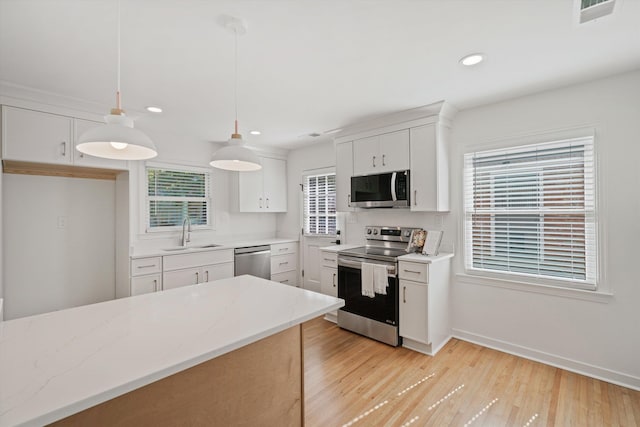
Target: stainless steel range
x=375 y=317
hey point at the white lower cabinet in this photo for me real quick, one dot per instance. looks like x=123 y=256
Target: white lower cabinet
x=284 y=263
x=154 y=274
x=329 y=281
x=146 y=284
x=329 y=278
x=424 y=305
x=146 y=275
x=414 y=300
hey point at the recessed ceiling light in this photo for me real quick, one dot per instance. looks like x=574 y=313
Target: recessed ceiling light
x=255 y=132
x=473 y=59
x=153 y=109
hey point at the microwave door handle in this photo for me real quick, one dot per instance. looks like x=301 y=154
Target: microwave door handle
x=393 y=187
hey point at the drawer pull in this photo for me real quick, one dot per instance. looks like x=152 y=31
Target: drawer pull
x=411 y=271
x=284 y=281
x=146 y=266
x=284 y=263
x=330 y=259
x=283 y=249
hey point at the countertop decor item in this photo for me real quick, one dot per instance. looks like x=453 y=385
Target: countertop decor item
x=235 y=156
x=118 y=139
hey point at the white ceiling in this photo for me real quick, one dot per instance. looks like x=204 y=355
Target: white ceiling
x=305 y=65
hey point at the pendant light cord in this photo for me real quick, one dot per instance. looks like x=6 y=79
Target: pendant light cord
x=236 y=77
x=118 y=82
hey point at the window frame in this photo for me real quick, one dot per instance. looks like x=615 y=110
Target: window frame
x=145 y=199
x=305 y=177
x=545 y=284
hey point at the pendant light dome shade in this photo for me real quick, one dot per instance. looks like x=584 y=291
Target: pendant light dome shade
x=118 y=139
x=236 y=157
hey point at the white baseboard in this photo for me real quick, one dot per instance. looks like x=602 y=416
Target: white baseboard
x=578 y=367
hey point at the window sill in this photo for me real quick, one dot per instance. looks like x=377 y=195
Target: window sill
x=593 y=296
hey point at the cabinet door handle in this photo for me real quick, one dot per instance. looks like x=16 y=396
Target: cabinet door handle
x=64 y=148
x=374 y=161
x=383 y=156
x=349 y=200
x=267 y=203
x=334 y=280
x=415 y=197
x=404 y=294
x=207 y=273
x=155 y=285
x=197 y=277
x=260 y=202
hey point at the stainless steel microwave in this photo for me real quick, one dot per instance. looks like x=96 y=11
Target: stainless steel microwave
x=384 y=190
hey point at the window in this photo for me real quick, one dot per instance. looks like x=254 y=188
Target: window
x=530 y=211
x=320 y=204
x=172 y=194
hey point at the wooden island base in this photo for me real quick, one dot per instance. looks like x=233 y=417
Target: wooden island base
x=260 y=384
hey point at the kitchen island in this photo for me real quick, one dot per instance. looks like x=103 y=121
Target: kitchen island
x=227 y=352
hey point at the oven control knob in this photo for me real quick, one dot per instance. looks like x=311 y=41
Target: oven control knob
x=368 y=231
x=375 y=232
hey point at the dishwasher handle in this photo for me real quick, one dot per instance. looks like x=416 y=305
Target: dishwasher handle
x=253 y=250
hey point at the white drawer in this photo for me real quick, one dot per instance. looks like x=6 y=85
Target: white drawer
x=415 y=271
x=141 y=266
x=282 y=263
x=329 y=259
x=196 y=259
x=288 y=278
x=284 y=248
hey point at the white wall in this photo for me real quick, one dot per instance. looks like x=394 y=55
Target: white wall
x=596 y=337
x=174 y=148
x=48 y=265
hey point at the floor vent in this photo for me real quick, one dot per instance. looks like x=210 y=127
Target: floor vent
x=594 y=9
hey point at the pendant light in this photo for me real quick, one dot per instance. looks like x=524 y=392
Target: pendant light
x=235 y=156
x=118 y=139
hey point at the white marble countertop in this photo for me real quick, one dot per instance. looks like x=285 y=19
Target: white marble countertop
x=425 y=259
x=194 y=247
x=337 y=248
x=56 y=364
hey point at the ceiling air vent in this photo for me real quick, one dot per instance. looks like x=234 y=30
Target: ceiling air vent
x=594 y=9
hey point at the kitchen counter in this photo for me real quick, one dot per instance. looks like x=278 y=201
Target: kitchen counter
x=425 y=259
x=194 y=247
x=57 y=364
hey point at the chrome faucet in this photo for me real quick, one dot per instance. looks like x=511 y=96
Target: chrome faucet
x=186 y=237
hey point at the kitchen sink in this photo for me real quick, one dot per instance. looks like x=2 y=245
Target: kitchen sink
x=186 y=248
x=177 y=248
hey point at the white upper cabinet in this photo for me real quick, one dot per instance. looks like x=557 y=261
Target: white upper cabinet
x=33 y=136
x=264 y=190
x=344 y=170
x=429 y=169
x=81 y=159
x=39 y=137
x=387 y=152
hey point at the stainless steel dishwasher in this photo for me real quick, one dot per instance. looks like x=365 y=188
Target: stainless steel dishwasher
x=253 y=260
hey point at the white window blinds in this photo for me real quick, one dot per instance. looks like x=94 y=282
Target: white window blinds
x=173 y=194
x=531 y=211
x=320 y=204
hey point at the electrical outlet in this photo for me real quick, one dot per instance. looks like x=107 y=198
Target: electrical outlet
x=62 y=222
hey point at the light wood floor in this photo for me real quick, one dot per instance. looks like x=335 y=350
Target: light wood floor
x=351 y=379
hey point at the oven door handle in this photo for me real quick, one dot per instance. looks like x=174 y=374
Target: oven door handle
x=342 y=262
